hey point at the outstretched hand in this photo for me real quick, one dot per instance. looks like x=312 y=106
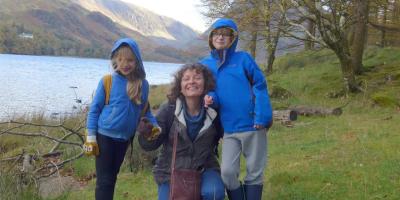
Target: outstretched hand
x=147 y=129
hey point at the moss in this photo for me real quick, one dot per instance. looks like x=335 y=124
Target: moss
x=384 y=100
x=280 y=93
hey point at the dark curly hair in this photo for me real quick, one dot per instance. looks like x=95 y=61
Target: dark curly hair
x=175 y=91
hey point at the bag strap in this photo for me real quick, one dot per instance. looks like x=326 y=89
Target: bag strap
x=107 y=81
x=175 y=143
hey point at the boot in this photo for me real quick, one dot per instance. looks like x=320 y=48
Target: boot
x=236 y=194
x=253 y=192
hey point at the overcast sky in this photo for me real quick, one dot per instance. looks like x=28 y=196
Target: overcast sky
x=185 y=11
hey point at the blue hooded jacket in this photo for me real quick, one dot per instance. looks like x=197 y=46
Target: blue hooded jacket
x=120 y=117
x=241 y=92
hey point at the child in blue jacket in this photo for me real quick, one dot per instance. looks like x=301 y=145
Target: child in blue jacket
x=110 y=127
x=241 y=96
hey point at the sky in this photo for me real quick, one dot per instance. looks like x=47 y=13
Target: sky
x=185 y=11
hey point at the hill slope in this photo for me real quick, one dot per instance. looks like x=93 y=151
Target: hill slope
x=88 y=28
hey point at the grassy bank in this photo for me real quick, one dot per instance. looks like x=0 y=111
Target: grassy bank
x=352 y=156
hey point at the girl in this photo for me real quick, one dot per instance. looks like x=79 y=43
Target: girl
x=111 y=126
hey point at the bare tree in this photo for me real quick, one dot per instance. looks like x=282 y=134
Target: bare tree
x=333 y=20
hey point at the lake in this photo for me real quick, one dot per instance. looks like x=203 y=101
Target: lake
x=52 y=85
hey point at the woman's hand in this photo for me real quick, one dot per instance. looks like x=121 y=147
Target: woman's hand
x=147 y=129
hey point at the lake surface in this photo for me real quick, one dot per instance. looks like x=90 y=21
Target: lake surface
x=51 y=85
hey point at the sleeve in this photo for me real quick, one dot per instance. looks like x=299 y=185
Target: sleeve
x=95 y=109
x=262 y=108
x=148 y=113
x=163 y=120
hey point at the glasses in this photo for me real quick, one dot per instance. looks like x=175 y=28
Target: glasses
x=222 y=32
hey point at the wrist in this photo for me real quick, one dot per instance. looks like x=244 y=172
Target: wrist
x=91 y=138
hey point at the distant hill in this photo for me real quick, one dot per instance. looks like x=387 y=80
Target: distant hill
x=89 y=27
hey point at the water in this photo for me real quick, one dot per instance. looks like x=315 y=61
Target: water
x=51 y=85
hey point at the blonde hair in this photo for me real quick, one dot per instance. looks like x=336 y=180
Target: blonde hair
x=134 y=86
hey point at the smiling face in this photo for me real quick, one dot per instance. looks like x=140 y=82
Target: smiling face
x=125 y=61
x=192 y=84
x=222 y=38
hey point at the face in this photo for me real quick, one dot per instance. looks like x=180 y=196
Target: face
x=192 y=84
x=222 y=38
x=126 y=61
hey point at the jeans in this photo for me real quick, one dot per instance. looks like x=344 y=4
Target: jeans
x=108 y=163
x=212 y=187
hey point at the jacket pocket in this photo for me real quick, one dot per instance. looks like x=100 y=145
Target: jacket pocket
x=109 y=115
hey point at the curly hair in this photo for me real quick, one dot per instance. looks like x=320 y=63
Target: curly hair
x=209 y=82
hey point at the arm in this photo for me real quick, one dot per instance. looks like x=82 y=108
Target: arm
x=90 y=146
x=162 y=120
x=262 y=108
x=95 y=109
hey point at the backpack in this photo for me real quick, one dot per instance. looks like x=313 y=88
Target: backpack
x=107 y=82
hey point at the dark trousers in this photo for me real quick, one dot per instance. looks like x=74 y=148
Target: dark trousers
x=112 y=153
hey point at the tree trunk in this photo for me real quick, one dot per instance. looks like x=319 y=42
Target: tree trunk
x=349 y=80
x=360 y=34
x=285 y=115
x=272 y=44
x=315 y=111
x=383 y=31
x=253 y=44
x=309 y=44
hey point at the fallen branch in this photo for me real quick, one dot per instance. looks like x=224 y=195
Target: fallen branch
x=316 y=111
x=285 y=115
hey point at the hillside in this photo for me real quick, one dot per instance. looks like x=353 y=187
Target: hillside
x=88 y=28
x=351 y=156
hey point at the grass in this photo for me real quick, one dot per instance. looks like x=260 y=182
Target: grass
x=352 y=156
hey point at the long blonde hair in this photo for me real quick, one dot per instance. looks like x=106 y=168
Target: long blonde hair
x=135 y=78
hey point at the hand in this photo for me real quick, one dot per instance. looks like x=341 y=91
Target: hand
x=90 y=147
x=155 y=132
x=258 y=126
x=208 y=100
x=145 y=127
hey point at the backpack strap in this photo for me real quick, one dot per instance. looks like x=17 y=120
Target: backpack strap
x=107 y=81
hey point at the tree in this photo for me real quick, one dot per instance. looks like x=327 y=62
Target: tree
x=359 y=32
x=333 y=20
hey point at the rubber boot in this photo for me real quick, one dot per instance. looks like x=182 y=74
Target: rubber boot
x=236 y=194
x=253 y=192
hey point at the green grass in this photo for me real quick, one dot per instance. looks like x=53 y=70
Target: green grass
x=352 y=156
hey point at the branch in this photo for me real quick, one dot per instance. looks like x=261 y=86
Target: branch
x=42 y=135
x=383 y=27
x=57 y=166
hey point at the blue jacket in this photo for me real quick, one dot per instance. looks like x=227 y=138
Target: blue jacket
x=241 y=92
x=120 y=117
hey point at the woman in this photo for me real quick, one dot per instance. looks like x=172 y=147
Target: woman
x=196 y=126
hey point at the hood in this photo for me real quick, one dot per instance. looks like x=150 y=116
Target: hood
x=228 y=23
x=134 y=47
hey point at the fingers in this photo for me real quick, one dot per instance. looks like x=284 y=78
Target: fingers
x=258 y=126
x=208 y=100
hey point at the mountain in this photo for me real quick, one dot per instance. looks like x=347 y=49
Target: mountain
x=162 y=29
x=89 y=27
